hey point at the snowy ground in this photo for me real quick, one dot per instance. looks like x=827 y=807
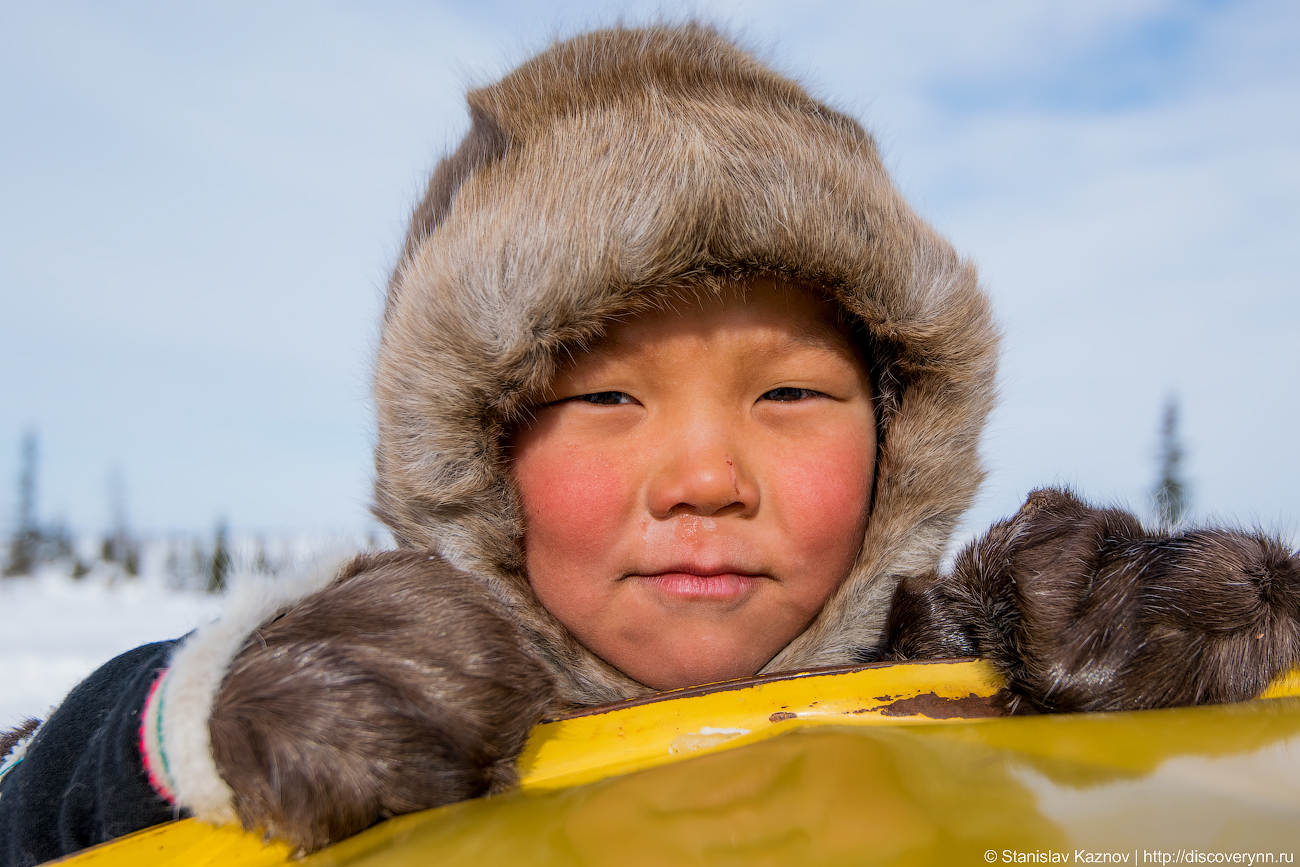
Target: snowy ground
x=54 y=631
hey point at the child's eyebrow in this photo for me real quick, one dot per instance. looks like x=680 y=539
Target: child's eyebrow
x=825 y=335
x=822 y=336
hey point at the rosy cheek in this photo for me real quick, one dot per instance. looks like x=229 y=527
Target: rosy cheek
x=825 y=491
x=574 y=502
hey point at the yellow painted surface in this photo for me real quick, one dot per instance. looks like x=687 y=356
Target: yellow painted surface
x=1287 y=684
x=1211 y=779
x=184 y=844
x=730 y=777
x=599 y=745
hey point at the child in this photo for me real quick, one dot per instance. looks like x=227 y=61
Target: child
x=673 y=387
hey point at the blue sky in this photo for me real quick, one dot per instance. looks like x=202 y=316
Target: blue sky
x=199 y=204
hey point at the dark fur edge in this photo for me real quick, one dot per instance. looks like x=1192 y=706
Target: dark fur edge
x=397 y=689
x=1081 y=609
x=10 y=739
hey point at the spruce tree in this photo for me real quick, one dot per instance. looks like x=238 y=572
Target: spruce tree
x=25 y=544
x=219 y=565
x=1170 y=494
x=120 y=546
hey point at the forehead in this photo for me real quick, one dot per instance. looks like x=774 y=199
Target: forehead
x=764 y=313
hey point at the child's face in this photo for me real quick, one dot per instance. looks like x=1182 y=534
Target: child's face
x=699 y=486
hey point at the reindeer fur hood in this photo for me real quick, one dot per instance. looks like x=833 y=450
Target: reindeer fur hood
x=596 y=179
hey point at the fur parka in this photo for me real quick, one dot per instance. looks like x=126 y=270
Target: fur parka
x=609 y=174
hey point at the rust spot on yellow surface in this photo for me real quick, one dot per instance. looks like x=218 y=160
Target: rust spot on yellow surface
x=936 y=707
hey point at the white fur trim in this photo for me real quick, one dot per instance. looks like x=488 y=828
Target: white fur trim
x=197 y=669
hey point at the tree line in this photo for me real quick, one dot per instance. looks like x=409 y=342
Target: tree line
x=188 y=562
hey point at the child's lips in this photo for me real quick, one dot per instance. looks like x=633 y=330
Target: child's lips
x=721 y=586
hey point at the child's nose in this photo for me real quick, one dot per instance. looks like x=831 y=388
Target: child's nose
x=702 y=478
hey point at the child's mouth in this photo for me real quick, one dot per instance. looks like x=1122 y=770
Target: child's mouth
x=723 y=586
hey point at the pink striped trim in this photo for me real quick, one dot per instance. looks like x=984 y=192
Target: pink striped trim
x=151 y=745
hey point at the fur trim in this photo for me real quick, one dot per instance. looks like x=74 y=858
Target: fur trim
x=398 y=688
x=189 y=688
x=13 y=744
x=608 y=173
x=1084 y=610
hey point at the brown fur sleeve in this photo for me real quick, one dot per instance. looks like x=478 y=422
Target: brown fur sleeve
x=10 y=739
x=1082 y=609
x=398 y=688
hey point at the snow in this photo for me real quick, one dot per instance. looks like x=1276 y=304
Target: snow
x=55 y=630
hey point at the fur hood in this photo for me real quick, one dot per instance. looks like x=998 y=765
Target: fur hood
x=598 y=178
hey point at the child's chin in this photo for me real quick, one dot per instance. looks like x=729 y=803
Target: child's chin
x=691 y=676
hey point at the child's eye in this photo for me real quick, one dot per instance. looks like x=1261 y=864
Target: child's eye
x=604 y=398
x=789 y=394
